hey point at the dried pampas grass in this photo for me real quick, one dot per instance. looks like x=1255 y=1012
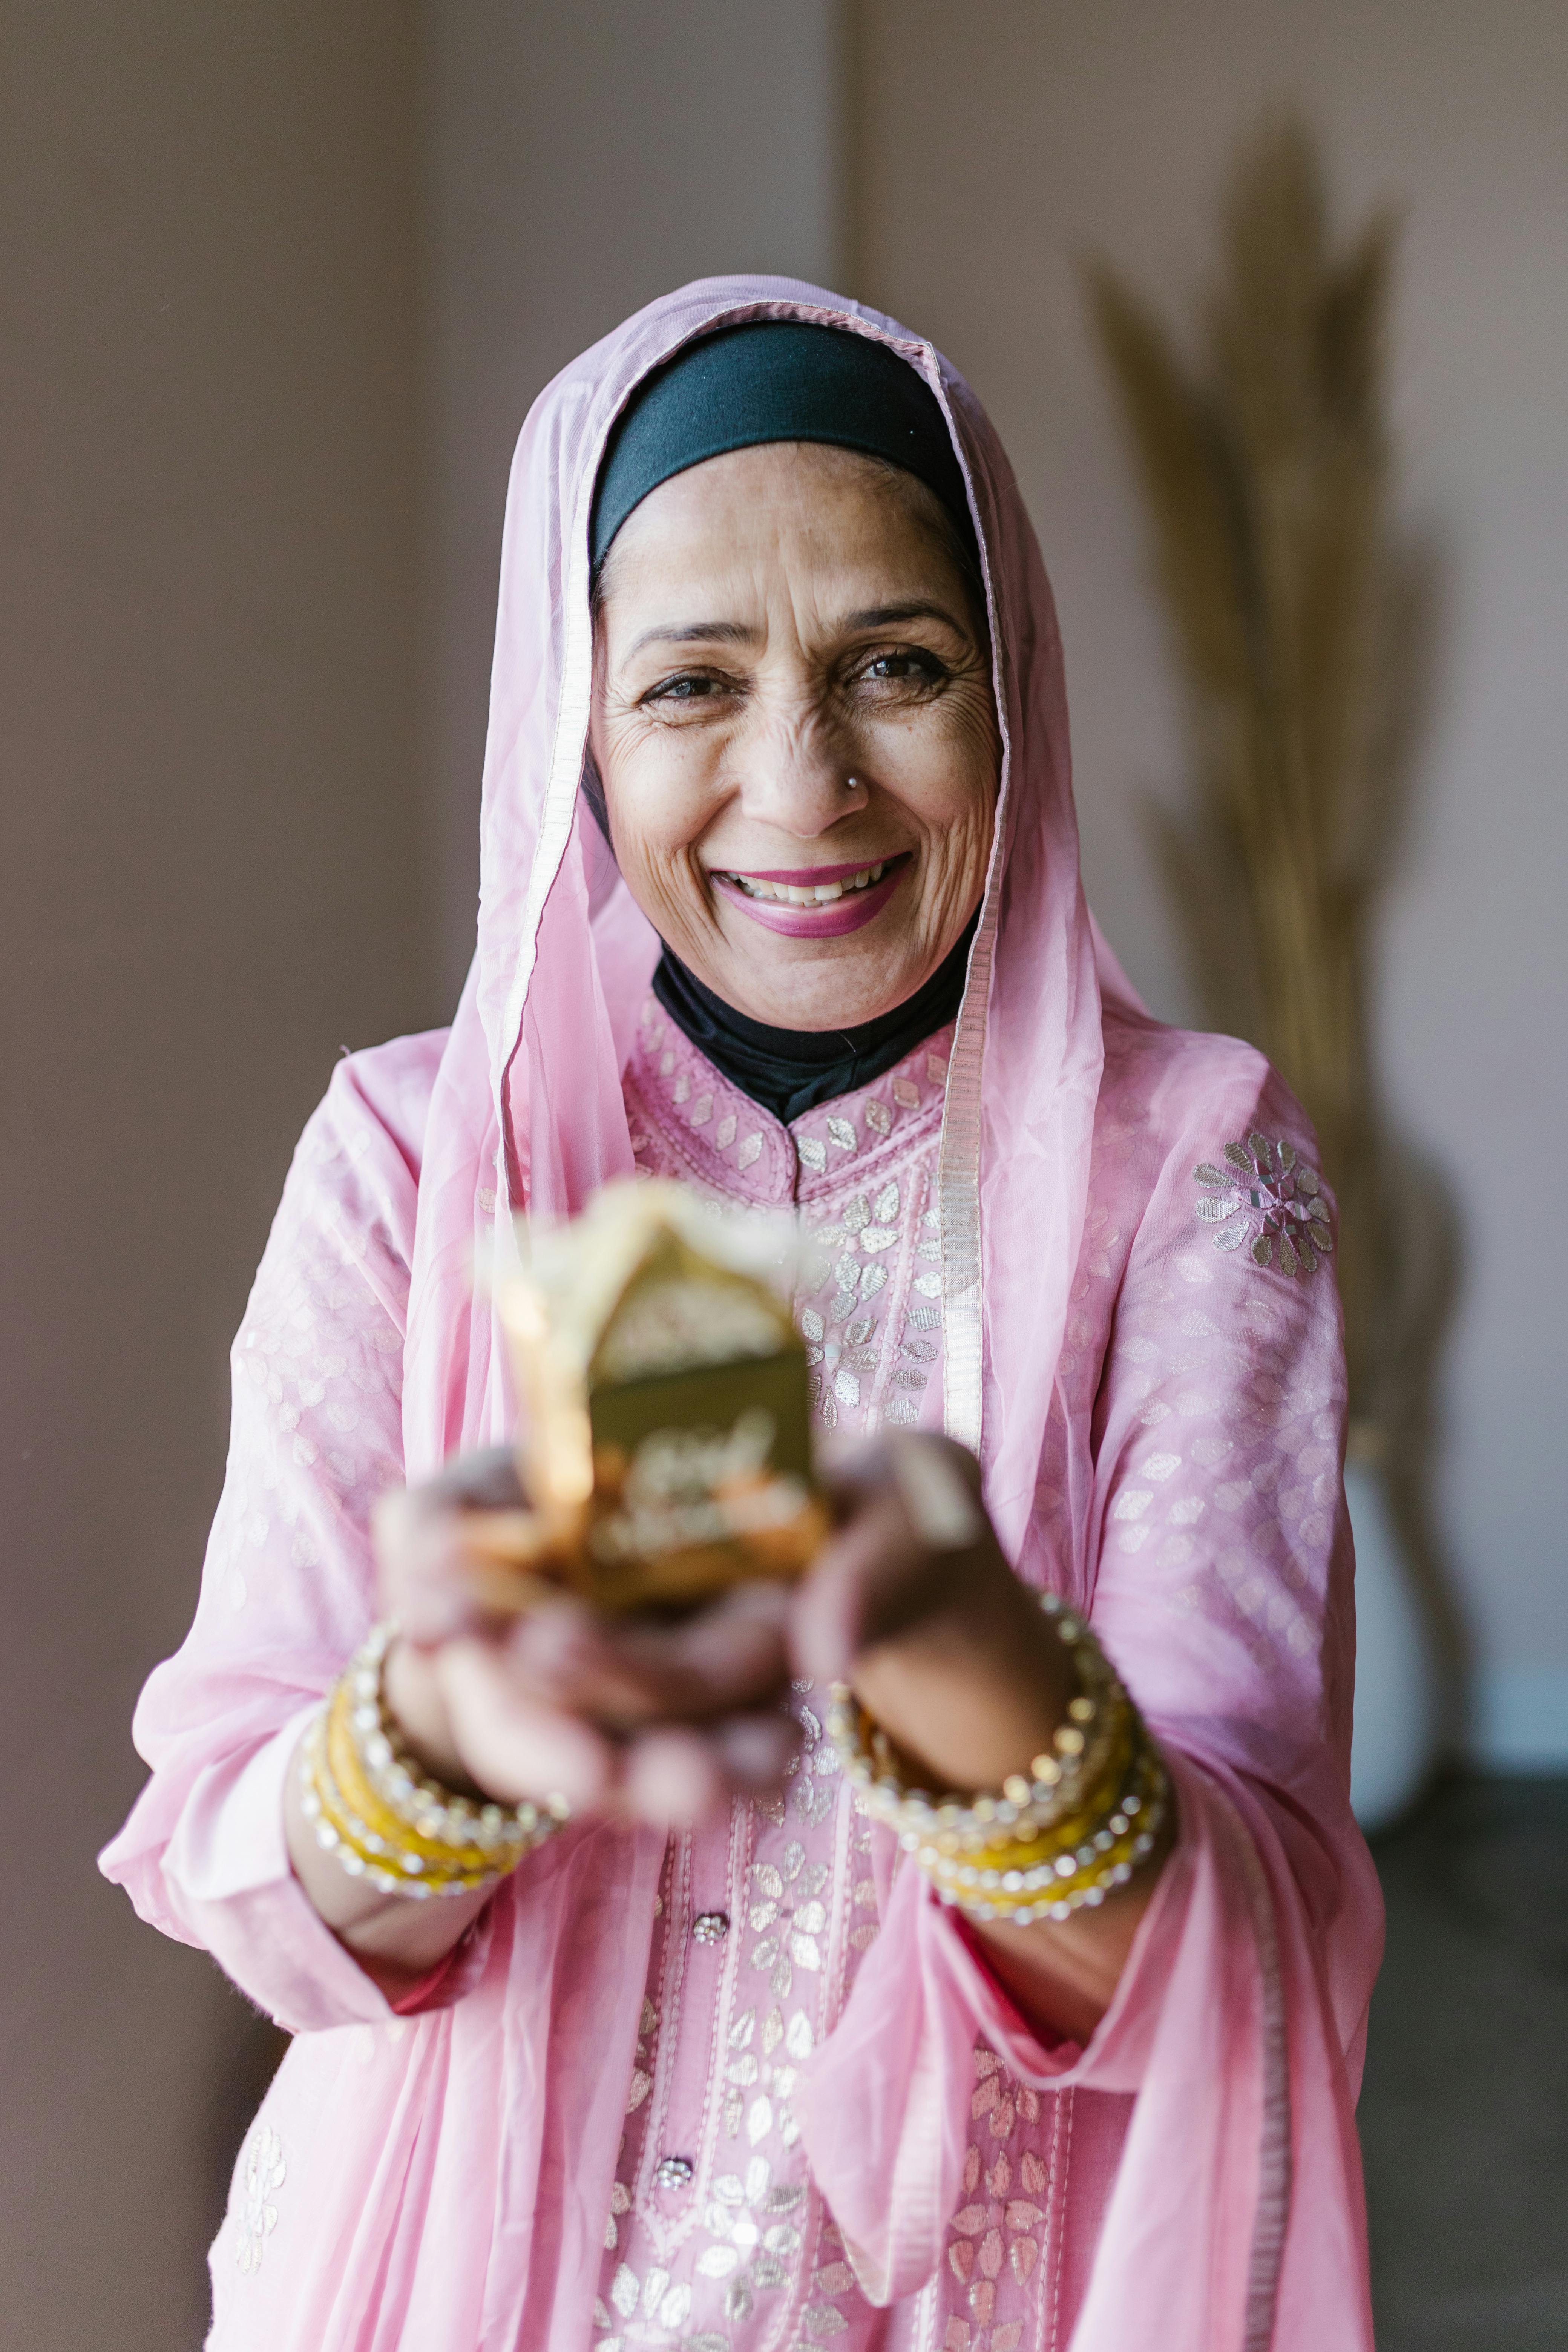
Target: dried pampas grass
x=1264 y=464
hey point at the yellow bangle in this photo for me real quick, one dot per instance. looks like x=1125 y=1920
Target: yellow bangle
x=1040 y=1848
x=1053 y=1890
x=395 y=1833
x=384 y=1819
x=359 y=1849
x=1016 y=1849
x=1061 y=1781
x=401 y=1784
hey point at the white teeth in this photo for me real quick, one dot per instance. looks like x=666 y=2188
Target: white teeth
x=810 y=894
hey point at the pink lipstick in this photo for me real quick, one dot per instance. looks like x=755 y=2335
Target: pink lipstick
x=819 y=902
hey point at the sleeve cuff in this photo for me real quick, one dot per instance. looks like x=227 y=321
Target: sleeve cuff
x=230 y=1881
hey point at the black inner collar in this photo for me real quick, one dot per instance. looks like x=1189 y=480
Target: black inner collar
x=789 y=1071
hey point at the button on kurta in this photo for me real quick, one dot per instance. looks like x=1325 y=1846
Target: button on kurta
x=711 y=1926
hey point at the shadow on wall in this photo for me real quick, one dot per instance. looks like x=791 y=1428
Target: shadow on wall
x=1420 y=1212
x=1304 y=624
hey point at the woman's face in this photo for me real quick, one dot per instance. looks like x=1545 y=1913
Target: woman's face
x=793 y=722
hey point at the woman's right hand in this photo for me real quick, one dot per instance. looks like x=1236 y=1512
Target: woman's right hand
x=652 y=1723
x=659 y=1723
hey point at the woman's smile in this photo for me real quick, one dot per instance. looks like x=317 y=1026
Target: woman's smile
x=820 y=902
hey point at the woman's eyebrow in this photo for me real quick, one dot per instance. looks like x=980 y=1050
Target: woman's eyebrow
x=740 y=633
x=726 y=632
x=918 y=608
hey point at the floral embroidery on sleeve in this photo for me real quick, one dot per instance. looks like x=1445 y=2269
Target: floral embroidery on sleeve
x=1268 y=1195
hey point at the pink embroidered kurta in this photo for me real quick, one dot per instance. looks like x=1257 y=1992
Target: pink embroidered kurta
x=717 y=2236
x=754 y=2087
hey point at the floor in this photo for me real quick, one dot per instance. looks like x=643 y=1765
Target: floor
x=1464 y=2117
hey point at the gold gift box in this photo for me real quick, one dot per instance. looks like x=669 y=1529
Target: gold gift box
x=666 y=1450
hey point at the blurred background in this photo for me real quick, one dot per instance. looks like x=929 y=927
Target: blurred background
x=278 y=283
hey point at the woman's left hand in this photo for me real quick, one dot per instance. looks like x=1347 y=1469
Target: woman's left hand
x=913 y=1605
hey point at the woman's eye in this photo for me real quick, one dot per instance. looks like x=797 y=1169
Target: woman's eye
x=686 y=688
x=908 y=667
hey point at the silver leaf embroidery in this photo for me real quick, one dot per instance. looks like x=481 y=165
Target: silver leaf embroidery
x=1269 y=1197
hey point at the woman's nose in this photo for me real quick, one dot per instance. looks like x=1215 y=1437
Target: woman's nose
x=796 y=775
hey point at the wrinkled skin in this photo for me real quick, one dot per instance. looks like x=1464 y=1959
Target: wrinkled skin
x=790 y=674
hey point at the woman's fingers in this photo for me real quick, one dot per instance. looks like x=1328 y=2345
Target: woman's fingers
x=485 y=1480
x=627 y=1674
x=755 y=1749
x=675 y=1776
x=913 y=1604
x=424 y=1564
x=514 y=1746
x=672 y=1779
x=417 y=1561
x=731 y=1655
x=433 y=1576
x=658 y=1722
x=624 y=1673
x=859 y=1590
x=912 y=1539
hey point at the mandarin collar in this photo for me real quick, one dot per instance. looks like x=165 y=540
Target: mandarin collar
x=732 y=1145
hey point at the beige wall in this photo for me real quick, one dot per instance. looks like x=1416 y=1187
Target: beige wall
x=208 y=860
x=276 y=285
x=998 y=143
x=580 y=161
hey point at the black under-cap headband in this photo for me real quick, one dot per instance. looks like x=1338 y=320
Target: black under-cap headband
x=774 y=380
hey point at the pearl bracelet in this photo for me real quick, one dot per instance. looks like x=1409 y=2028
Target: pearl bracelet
x=1090 y=1812
x=1081 y=1876
x=387 y=1821
x=1080 y=1754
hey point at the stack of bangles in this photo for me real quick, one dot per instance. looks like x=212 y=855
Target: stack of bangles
x=386 y=1820
x=1090 y=1811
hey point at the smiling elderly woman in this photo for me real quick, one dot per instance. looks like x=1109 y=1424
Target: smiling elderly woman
x=780 y=898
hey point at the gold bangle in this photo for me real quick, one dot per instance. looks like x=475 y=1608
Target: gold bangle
x=432 y=1842
x=404 y=1787
x=1053 y=1890
x=1021 y=1849
x=356 y=1847
x=1061 y=1779
x=1041 y=1848
x=923 y=1825
x=384 y=1826
x=1077 y=1863
x=359 y=1849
